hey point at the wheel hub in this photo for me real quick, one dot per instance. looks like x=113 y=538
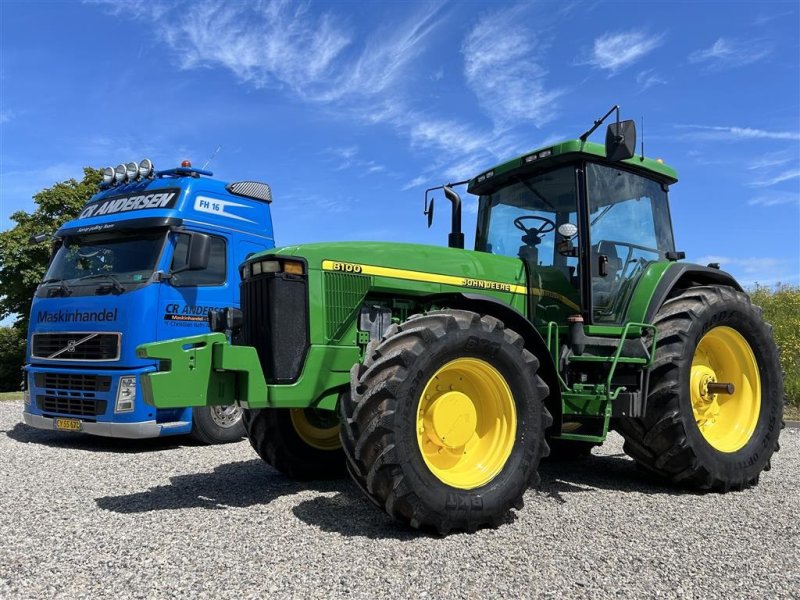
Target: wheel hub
x=466 y=423
x=726 y=413
x=451 y=419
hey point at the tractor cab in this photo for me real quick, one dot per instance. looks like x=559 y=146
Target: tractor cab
x=585 y=226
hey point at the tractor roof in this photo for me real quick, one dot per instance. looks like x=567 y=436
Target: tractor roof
x=563 y=152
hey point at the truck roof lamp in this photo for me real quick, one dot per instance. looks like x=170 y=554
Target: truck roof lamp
x=108 y=175
x=145 y=168
x=119 y=174
x=132 y=170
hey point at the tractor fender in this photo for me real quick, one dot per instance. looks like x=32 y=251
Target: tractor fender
x=515 y=320
x=682 y=276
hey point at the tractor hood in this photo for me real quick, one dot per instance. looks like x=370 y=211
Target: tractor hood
x=422 y=267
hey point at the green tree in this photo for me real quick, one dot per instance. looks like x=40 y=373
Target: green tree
x=22 y=264
x=12 y=357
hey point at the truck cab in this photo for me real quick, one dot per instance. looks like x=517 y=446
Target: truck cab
x=146 y=259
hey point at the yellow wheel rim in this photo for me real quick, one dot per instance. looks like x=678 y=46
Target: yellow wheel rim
x=318 y=432
x=466 y=423
x=727 y=421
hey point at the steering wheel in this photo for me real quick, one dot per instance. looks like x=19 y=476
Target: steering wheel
x=532 y=233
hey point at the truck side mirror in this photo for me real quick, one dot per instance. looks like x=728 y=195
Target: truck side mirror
x=621 y=140
x=199 y=252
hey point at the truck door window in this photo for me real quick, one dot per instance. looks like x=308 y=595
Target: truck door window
x=214 y=274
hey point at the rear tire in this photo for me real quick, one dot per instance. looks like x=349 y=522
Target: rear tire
x=690 y=435
x=444 y=426
x=217 y=424
x=303 y=444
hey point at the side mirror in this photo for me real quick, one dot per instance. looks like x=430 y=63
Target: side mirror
x=199 y=252
x=38 y=238
x=428 y=212
x=621 y=140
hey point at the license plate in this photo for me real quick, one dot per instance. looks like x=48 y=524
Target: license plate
x=68 y=424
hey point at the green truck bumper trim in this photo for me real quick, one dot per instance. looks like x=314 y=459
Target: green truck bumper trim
x=205 y=370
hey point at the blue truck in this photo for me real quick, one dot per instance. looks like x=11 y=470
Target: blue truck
x=146 y=259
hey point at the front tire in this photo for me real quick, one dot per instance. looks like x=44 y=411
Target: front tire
x=217 y=424
x=692 y=434
x=444 y=426
x=303 y=444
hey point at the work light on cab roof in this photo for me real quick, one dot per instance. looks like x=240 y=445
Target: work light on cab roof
x=127 y=172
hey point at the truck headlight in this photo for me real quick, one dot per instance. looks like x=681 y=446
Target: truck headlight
x=126 y=394
x=26 y=393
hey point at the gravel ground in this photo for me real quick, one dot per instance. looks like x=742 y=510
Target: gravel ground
x=88 y=517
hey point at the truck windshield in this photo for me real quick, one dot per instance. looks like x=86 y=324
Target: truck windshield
x=125 y=257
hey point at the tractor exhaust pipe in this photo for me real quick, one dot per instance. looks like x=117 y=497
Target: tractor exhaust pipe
x=456 y=238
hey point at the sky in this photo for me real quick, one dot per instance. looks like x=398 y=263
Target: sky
x=349 y=110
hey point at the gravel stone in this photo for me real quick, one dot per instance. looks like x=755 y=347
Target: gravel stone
x=89 y=517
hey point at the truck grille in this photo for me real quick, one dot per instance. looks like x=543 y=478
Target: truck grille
x=275 y=308
x=73 y=382
x=66 y=405
x=74 y=346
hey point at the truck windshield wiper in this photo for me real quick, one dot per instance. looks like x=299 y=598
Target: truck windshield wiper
x=62 y=286
x=115 y=284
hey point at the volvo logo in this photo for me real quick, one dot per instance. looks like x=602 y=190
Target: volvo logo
x=72 y=345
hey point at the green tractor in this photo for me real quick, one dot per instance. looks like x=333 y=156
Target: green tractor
x=440 y=377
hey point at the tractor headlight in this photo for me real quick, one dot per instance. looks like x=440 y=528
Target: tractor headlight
x=259 y=267
x=126 y=394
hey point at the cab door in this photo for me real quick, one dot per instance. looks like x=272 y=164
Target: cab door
x=629 y=228
x=187 y=296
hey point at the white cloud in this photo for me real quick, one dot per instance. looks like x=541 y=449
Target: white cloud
x=615 y=51
x=6 y=116
x=778 y=178
x=416 y=182
x=726 y=53
x=648 y=78
x=768 y=161
x=503 y=66
x=775 y=199
x=712 y=133
x=752 y=270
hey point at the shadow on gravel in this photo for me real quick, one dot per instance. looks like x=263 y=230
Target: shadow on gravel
x=239 y=484
x=615 y=472
x=93 y=443
x=351 y=514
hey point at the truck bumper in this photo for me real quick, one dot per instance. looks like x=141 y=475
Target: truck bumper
x=89 y=396
x=145 y=429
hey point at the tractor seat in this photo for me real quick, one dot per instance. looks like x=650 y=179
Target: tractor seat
x=603 y=287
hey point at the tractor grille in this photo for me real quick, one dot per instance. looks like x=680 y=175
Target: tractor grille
x=275 y=308
x=343 y=295
x=73 y=382
x=67 y=405
x=81 y=345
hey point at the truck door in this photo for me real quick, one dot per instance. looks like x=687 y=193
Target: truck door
x=188 y=296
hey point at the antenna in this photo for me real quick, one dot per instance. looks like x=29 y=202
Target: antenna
x=210 y=158
x=641 y=120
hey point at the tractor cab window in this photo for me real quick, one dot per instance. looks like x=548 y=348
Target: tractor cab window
x=521 y=219
x=629 y=227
